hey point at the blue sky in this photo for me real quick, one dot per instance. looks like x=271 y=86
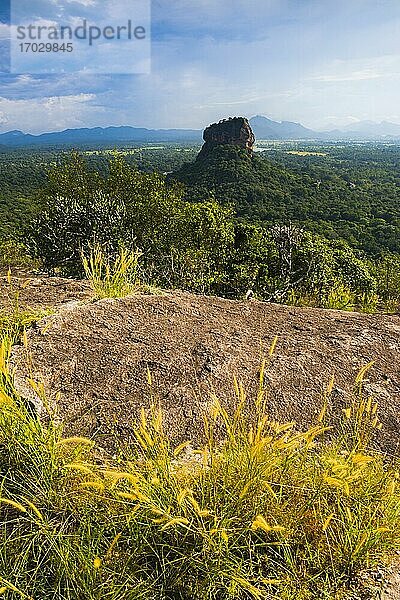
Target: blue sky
x=325 y=63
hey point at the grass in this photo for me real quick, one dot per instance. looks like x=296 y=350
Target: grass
x=340 y=297
x=270 y=513
x=13 y=319
x=114 y=278
x=14 y=255
x=122 y=275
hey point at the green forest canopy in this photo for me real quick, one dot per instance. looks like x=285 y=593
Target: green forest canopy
x=227 y=223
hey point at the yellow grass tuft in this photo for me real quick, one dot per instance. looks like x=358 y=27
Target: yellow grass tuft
x=113 y=277
x=269 y=511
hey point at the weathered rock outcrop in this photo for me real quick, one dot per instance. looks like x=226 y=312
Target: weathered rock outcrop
x=35 y=293
x=93 y=359
x=235 y=131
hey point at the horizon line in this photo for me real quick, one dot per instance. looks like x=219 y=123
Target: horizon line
x=104 y=127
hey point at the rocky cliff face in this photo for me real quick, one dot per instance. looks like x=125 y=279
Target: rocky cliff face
x=235 y=131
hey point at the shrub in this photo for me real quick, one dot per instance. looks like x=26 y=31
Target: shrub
x=387 y=272
x=15 y=255
x=284 y=259
x=137 y=211
x=69 y=226
x=193 y=245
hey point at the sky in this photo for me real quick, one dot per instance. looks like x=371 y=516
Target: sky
x=324 y=63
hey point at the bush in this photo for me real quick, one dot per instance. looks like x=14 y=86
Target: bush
x=135 y=210
x=386 y=270
x=15 y=255
x=282 y=260
x=195 y=245
x=69 y=226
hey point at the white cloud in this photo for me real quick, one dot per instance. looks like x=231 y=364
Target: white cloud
x=355 y=76
x=46 y=114
x=286 y=59
x=379 y=67
x=5 y=31
x=83 y=2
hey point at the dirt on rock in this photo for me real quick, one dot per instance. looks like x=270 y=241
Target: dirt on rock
x=391 y=583
x=41 y=292
x=94 y=357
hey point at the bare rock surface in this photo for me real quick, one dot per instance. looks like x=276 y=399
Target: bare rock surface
x=41 y=292
x=391 y=585
x=235 y=131
x=96 y=356
x=93 y=359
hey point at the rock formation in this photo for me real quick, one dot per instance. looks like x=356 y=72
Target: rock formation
x=93 y=360
x=235 y=131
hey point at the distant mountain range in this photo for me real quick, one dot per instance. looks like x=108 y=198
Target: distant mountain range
x=264 y=129
x=286 y=130
x=99 y=135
